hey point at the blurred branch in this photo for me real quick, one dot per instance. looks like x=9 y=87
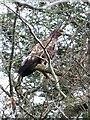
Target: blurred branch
x=88 y=65
x=27 y=5
x=75 y=109
x=11 y=55
x=27 y=112
x=43 y=107
x=59 y=108
x=12 y=100
x=47 y=110
x=7 y=93
x=78 y=63
x=47 y=6
x=57 y=81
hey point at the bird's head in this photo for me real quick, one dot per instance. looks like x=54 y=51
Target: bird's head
x=58 y=32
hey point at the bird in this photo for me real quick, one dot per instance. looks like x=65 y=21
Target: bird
x=38 y=55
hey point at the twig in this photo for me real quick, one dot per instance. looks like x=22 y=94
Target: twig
x=47 y=110
x=61 y=111
x=81 y=67
x=8 y=94
x=57 y=82
x=27 y=112
x=42 y=109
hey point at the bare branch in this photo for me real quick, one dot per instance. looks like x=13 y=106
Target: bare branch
x=27 y=112
x=12 y=99
x=11 y=55
x=47 y=6
x=7 y=93
x=27 y=5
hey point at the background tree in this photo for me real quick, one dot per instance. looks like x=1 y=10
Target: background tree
x=41 y=98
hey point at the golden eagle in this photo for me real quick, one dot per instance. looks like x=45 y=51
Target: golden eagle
x=37 y=54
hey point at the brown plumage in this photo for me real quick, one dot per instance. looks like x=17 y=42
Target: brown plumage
x=38 y=56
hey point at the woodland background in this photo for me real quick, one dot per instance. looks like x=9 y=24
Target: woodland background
x=41 y=97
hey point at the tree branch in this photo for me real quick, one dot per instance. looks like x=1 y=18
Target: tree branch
x=11 y=55
x=7 y=93
x=47 y=6
x=12 y=100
